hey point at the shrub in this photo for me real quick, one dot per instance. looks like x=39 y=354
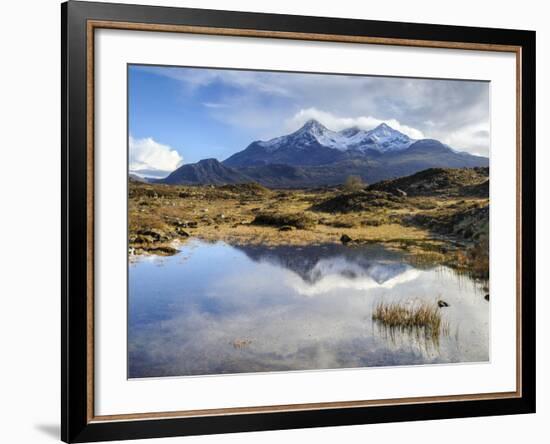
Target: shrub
x=354 y=183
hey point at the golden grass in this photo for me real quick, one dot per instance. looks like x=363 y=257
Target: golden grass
x=224 y=215
x=414 y=315
x=237 y=215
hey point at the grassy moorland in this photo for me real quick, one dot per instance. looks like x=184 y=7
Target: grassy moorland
x=437 y=215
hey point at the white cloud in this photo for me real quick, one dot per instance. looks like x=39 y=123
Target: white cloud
x=215 y=105
x=474 y=139
x=266 y=104
x=197 y=78
x=337 y=123
x=148 y=157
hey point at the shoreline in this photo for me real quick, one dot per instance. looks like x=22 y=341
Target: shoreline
x=250 y=214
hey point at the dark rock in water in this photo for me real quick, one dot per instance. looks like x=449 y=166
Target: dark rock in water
x=286 y=228
x=442 y=304
x=487 y=297
x=345 y=239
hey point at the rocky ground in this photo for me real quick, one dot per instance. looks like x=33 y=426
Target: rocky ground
x=441 y=215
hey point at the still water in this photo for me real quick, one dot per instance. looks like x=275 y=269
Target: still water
x=216 y=308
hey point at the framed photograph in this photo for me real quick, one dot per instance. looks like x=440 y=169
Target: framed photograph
x=275 y=221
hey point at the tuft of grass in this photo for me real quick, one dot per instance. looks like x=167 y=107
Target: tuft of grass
x=418 y=315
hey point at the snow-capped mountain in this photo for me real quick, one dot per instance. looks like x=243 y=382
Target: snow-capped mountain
x=316 y=156
x=312 y=132
x=382 y=138
x=314 y=144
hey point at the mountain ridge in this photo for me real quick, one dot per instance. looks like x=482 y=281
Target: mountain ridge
x=315 y=156
x=204 y=172
x=314 y=144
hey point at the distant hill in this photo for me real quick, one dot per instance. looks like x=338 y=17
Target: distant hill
x=204 y=172
x=136 y=178
x=315 y=156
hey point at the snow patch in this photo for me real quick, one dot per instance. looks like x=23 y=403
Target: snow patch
x=382 y=138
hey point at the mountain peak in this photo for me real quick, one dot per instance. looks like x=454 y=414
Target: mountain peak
x=314 y=137
x=205 y=171
x=384 y=128
x=313 y=124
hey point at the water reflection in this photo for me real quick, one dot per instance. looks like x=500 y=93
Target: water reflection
x=215 y=308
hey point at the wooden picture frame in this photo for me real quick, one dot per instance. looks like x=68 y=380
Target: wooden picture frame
x=79 y=22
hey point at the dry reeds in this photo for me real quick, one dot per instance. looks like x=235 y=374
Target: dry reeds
x=416 y=315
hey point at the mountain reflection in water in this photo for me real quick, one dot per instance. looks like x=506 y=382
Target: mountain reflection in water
x=215 y=309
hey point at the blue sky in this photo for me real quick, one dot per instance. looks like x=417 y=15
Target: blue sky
x=181 y=115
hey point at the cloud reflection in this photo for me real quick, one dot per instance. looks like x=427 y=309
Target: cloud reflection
x=247 y=309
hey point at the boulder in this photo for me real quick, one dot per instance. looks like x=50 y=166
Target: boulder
x=139 y=239
x=153 y=233
x=182 y=232
x=345 y=239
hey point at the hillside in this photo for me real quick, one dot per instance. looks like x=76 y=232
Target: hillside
x=439 y=181
x=205 y=172
x=381 y=153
